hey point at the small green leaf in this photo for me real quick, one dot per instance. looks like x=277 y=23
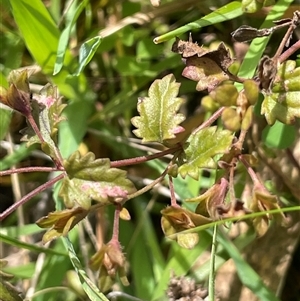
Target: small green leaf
x=87 y=51
x=202 y=146
x=158 y=120
x=283 y=102
x=279 y=135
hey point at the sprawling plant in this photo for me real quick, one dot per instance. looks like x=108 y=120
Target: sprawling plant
x=216 y=144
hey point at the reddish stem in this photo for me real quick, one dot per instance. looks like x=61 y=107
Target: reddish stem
x=30 y=195
x=210 y=120
x=28 y=169
x=172 y=192
x=142 y=159
x=252 y=173
x=284 y=56
x=115 y=236
x=35 y=127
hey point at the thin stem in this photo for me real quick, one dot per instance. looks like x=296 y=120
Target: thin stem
x=284 y=56
x=148 y=187
x=35 y=127
x=29 y=169
x=172 y=192
x=210 y=120
x=251 y=173
x=231 y=181
x=115 y=236
x=240 y=142
x=142 y=159
x=211 y=284
x=284 y=41
x=30 y=195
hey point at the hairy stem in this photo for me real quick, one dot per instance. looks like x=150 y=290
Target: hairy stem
x=28 y=169
x=115 y=236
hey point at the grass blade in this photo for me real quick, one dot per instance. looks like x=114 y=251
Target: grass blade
x=225 y=13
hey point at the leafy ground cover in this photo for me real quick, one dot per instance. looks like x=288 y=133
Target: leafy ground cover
x=150 y=151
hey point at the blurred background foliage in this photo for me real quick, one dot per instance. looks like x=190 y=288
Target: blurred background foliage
x=45 y=37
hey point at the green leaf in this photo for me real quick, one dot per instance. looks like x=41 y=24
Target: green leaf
x=64 y=38
x=283 y=102
x=158 y=120
x=201 y=147
x=279 y=135
x=93 y=179
x=86 y=52
x=225 y=13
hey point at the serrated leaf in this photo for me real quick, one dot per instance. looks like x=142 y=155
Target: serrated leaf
x=202 y=146
x=158 y=120
x=283 y=102
x=93 y=179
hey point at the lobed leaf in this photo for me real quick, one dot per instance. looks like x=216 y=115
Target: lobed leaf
x=93 y=179
x=283 y=102
x=158 y=120
x=202 y=146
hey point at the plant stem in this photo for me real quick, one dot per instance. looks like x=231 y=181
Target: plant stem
x=148 y=187
x=284 y=56
x=252 y=174
x=30 y=195
x=210 y=120
x=28 y=169
x=285 y=39
x=142 y=159
x=115 y=236
x=211 y=284
x=172 y=192
x=35 y=127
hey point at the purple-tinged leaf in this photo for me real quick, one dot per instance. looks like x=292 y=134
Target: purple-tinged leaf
x=93 y=179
